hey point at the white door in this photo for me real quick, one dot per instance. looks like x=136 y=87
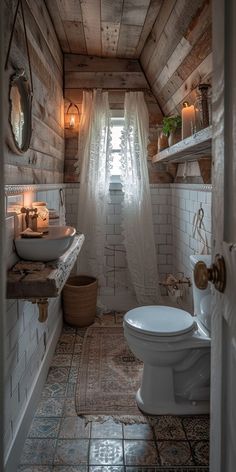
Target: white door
x=223 y=377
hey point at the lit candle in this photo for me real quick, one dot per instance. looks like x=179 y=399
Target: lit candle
x=188 y=120
x=72 y=121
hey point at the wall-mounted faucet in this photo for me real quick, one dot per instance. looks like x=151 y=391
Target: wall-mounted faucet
x=30 y=220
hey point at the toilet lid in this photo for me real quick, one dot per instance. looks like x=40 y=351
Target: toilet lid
x=159 y=320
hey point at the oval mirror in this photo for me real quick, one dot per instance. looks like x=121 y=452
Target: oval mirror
x=20 y=97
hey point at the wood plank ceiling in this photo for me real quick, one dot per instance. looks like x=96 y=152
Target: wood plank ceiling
x=170 y=38
x=103 y=27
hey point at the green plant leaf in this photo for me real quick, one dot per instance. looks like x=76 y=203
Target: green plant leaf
x=171 y=123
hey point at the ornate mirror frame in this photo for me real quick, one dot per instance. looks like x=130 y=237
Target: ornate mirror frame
x=20 y=112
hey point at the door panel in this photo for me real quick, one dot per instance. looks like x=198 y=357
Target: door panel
x=223 y=366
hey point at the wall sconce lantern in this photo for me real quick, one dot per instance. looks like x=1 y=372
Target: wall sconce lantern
x=73 y=116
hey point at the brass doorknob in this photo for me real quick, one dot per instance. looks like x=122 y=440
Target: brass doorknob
x=215 y=274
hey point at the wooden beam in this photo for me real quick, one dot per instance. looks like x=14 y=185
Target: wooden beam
x=107 y=80
x=82 y=63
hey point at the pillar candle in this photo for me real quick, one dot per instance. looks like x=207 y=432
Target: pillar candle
x=188 y=120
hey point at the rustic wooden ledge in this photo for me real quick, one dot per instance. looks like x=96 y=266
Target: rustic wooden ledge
x=47 y=282
x=190 y=149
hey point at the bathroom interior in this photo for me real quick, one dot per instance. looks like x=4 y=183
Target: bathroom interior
x=70 y=60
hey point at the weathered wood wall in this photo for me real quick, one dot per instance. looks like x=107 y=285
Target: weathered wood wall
x=177 y=55
x=44 y=161
x=116 y=75
x=175 y=58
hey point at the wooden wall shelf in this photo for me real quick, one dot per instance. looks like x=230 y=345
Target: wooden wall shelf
x=34 y=285
x=190 y=149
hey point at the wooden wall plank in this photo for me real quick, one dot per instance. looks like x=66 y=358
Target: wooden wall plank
x=36 y=160
x=197 y=54
x=74 y=31
x=108 y=80
x=128 y=40
x=83 y=63
x=41 y=46
x=111 y=11
x=44 y=161
x=58 y=24
x=45 y=141
x=152 y=13
x=198 y=75
x=200 y=22
x=191 y=97
x=70 y=11
x=27 y=175
x=154 y=36
x=175 y=60
x=110 y=37
x=91 y=14
x=175 y=28
x=40 y=13
x=134 y=13
x=195 y=36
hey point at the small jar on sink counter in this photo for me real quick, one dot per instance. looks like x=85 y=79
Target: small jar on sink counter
x=43 y=216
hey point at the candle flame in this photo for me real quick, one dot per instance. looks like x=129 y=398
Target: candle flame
x=72 y=121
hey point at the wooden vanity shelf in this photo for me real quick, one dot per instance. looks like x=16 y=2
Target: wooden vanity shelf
x=190 y=149
x=37 y=284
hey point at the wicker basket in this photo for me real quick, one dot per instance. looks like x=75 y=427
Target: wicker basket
x=79 y=298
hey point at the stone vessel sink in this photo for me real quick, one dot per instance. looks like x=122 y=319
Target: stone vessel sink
x=48 y=248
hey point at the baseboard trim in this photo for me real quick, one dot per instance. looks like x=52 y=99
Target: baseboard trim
x=13 y=456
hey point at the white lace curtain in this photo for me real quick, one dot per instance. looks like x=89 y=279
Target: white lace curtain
x=94 y=154
x=137 y=211
x=94 y=148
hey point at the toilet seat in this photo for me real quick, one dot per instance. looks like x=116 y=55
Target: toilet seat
x=160 y=321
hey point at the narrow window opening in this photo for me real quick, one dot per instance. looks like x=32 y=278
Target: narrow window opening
x=117 y=127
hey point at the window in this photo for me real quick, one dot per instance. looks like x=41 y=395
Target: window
x=117 y=126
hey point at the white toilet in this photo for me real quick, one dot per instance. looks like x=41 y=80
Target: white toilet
x=175 y=348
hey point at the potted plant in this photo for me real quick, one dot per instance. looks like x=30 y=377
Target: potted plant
x=172 y=128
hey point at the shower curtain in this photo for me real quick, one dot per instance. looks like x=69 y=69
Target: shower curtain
x=95 y=163
x=137 y=210
x=94 y=152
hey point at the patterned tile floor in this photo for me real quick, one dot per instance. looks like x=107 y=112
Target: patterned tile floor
x=60 y=441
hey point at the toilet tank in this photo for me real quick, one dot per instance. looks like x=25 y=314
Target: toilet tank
x=202 y=298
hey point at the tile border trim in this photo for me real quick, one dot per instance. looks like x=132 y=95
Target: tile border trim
x=18 y=189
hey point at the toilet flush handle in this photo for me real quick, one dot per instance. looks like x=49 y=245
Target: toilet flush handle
x=215 y=274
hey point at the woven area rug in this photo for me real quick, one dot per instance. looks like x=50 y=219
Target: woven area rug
x=109 y=376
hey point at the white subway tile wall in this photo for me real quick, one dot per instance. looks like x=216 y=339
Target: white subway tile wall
x=185 y=205
x=173 y=207
x=26 y=338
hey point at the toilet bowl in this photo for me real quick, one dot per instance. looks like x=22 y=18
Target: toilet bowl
x=175 y=349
